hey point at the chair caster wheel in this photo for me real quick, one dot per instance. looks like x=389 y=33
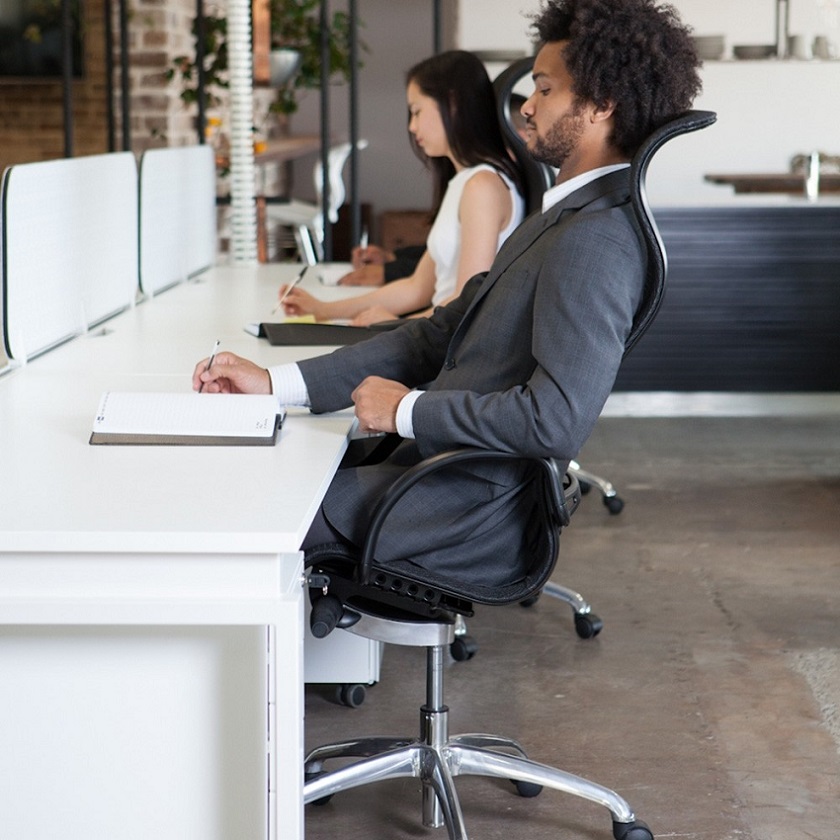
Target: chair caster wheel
x=351 y=694
x=308 y=777
x=588 y=625
x=529 y=602
x=463 y=648
x=584 y=487
x=636 y=830
x=528 y=790
x=614 y=504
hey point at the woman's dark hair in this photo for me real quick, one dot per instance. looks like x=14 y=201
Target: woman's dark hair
x=633 y=53
x=458 y=82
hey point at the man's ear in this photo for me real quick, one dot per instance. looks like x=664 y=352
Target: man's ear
x=602 y=112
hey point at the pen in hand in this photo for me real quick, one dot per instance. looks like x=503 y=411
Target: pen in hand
x=210 y=362
x=289 y=289
x=363 y=245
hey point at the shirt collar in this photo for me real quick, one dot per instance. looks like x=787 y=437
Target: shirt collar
x=558 y=192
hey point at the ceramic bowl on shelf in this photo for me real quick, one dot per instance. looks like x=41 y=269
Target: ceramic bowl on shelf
x=754 y=51
x=709 y=47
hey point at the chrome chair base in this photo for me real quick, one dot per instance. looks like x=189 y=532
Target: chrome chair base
x=587 y=624
x=436 y=759
x=612 y=501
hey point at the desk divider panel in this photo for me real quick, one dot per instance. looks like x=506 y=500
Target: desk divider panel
x=70 y=251
x=177 y=215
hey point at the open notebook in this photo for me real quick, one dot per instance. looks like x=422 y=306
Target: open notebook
x=186 y=419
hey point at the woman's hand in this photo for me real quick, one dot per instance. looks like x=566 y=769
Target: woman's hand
x=298 y=302
x=230 y=374
x=373 y=315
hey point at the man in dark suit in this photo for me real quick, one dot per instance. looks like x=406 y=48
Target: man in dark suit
x=525 y=358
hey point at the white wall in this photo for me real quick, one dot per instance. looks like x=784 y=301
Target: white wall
x=768 y=111
x=496 y=24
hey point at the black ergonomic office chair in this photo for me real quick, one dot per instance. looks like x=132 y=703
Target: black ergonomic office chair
x=403 y=604
x=538 y=177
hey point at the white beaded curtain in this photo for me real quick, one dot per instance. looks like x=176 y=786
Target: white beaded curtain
x=243 y=218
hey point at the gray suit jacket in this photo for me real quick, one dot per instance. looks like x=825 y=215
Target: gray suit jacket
x=522 y=361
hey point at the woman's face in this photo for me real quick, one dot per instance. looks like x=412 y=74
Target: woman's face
x=425 y=122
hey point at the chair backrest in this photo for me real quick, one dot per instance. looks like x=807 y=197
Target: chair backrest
x=336 y=158
x=657 y=269
x=537 y=177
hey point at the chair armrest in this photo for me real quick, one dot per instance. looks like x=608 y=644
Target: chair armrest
x=561 y=493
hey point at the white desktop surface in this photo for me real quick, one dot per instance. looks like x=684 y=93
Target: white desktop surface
x=171 y=544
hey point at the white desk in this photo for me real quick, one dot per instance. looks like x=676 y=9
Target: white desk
x=172 y=740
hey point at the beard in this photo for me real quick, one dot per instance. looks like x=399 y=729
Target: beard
x=560 y=140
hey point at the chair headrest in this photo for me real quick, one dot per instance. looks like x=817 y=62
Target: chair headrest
x=657 y=258
x=537 y=177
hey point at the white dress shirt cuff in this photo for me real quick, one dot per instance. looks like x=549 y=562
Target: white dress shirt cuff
x=288 y=385
x=405 y=421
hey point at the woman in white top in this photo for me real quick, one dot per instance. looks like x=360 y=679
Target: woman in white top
x=454 y=128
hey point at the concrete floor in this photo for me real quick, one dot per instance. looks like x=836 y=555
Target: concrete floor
x=710 y=699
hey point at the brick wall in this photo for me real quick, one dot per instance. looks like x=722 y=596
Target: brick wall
x=31 y=114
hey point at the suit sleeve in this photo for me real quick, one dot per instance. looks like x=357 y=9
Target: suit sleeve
x=411 y=354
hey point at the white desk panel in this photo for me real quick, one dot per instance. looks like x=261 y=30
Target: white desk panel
x=71 y=247
x=120 y=569
x=177 y=214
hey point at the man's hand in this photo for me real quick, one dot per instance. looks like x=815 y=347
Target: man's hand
x=231 y=374
x=376 y=401
x=372 y=255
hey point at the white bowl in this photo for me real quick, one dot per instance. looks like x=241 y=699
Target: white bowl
x=709 y=47
x=754 y=51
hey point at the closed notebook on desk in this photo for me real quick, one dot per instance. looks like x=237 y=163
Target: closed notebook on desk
x=186 y=419
x=293 y=334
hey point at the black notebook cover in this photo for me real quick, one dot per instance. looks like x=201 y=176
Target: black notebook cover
x=321 y=334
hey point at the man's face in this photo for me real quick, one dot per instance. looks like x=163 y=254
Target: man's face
x=555 y=120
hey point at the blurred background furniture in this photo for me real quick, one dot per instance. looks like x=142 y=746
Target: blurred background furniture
x=306 y=219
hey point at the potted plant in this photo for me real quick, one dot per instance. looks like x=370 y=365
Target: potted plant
x=296 y=28
x=295 y=25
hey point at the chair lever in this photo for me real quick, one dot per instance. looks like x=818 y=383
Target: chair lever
x=318 y=581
